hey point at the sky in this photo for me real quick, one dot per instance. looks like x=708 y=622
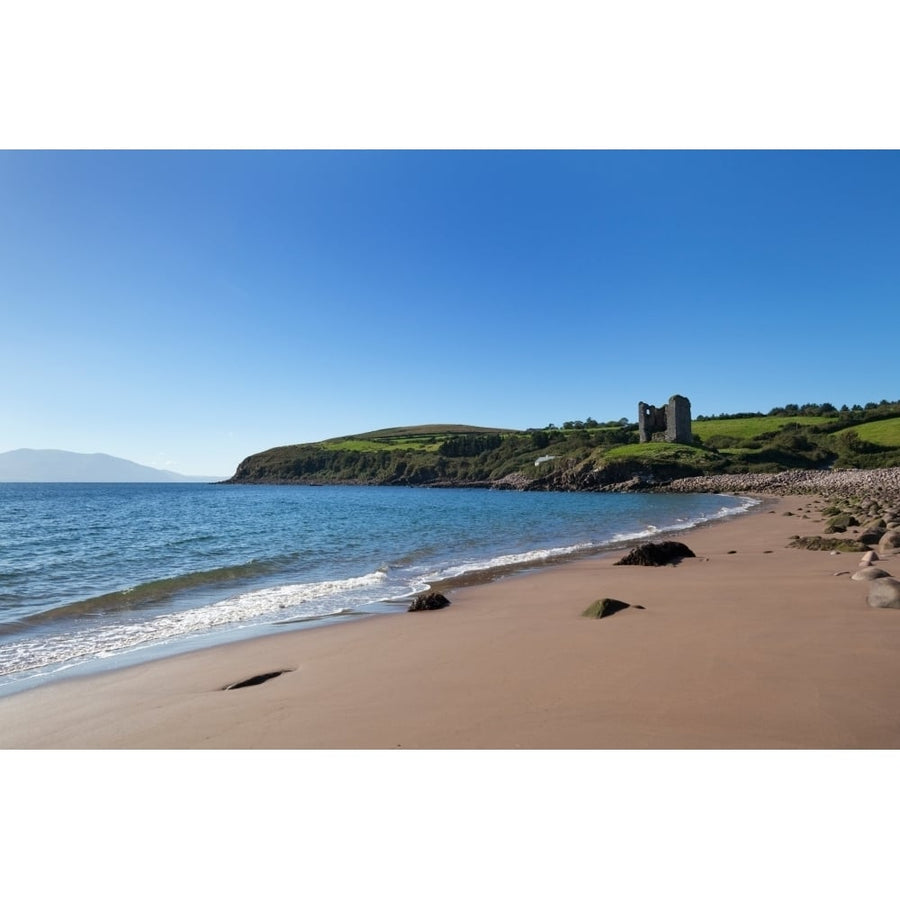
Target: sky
x=184 y=309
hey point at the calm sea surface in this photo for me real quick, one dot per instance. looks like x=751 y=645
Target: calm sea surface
x=93 y=575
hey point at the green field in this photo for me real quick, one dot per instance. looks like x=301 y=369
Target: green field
x=747 y=429
x=885 y=433
x=428 y=443
x=425 y=431
x=424 y=438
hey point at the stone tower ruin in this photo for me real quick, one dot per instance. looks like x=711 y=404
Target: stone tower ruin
x=670 y=423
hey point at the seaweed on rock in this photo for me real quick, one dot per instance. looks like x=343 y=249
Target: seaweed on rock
x=656 y=554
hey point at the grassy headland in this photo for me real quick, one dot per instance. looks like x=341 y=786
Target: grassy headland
x=589 y=455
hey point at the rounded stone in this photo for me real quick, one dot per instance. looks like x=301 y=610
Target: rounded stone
x=890 y=541
x=868 y=558
x=870 y=573
x=884 y=593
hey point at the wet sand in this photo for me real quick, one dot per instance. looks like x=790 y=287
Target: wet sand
x=765 y=647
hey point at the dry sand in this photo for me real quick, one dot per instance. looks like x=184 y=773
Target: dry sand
x=762 y=648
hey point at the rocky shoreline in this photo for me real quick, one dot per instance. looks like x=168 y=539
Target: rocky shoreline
x=839 y=484
x=881 y=485
x=862 y=510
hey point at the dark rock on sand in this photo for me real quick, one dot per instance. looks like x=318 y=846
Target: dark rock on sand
x=255 y=680
x=870 y=535
x=884 y=593
x=600 y=609
x=656 y=554
x=431 y=600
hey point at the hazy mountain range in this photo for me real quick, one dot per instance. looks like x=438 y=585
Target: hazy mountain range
x=61 y=465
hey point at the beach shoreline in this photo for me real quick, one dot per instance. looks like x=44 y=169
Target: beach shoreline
x=147 y=572
x=749 y=645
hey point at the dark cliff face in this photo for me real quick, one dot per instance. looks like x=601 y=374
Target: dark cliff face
x=572 y=475
x=630 y=475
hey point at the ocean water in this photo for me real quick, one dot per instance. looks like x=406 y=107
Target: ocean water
x=95 y=575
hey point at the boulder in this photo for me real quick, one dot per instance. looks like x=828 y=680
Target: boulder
x=430 y=600
x=600 y=609
x=869 y=573
x=840 y=523
x=656 y=554
x=890 y=541
x=868 y=558
x=870 y=535
x=884 y=593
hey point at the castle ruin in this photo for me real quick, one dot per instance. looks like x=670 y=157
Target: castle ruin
x=670 y=423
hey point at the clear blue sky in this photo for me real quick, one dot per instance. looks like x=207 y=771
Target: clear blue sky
x=186 y=309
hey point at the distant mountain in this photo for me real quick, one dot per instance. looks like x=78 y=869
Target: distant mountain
x=61 y=465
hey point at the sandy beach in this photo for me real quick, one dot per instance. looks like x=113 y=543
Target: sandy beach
x=748 y=645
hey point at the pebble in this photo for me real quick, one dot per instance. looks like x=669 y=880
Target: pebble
x=880 y=484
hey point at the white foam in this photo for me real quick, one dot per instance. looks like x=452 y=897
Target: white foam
x=314 y=598
x=509 y=559
x=685 y=524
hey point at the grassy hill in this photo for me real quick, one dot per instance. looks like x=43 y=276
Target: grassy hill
x=426 y=438
x=581 y=457
x=885 y=433
x=747 y=428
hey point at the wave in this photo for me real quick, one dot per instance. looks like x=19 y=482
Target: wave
x=251 y=607
x=746 y=503
x=508 y=560
x=147 y=594
x=537 y=557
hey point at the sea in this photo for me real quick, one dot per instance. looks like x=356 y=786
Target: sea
x=95 y=576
